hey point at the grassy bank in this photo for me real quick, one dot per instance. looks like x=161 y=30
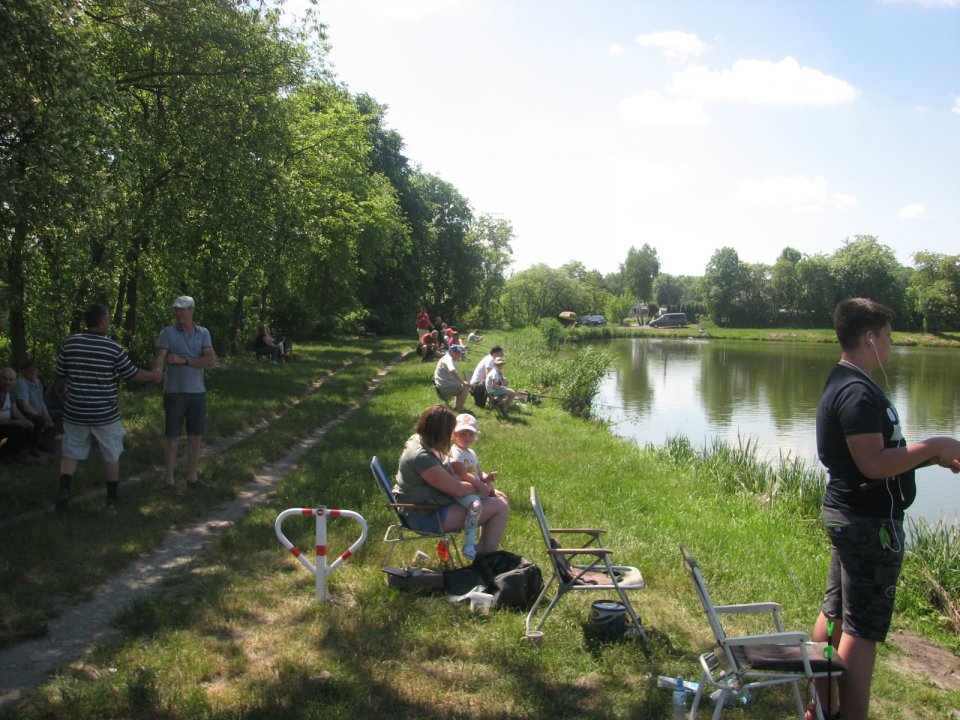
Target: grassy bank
x=239 y=634
x=814 y=335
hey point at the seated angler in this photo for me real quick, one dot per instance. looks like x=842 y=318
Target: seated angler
x=448 y=380
x=28 y=393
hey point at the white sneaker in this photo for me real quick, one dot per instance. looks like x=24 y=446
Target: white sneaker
x=469 y=551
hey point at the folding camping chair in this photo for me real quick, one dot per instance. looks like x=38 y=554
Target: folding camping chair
x=599 y=574
x=400 y=531
x=741 y=664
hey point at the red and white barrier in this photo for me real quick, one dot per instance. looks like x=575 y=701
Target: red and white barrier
x=321 y=571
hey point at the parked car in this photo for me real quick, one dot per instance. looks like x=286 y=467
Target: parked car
x=669 y=320
x=592 y=320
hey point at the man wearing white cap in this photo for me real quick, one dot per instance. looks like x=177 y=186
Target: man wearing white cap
x=447 y=378
x=186 y=349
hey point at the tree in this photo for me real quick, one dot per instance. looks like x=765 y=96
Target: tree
x=865 y=268
x=818 y=291
x=725 y=285
x=492 y=236
x=639 y=270
x=785 y=281
x=934 y=290
x=541 y=291
x=52 y=161
x=667 y=290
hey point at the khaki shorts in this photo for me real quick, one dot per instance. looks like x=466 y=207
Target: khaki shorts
x=864 y=568
x=76 y=440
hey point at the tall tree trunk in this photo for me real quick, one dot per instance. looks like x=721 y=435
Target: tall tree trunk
x=16 y=316
x=237 y=324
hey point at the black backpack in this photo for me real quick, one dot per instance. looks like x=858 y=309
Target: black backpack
x=514 y=581
x=479 y=392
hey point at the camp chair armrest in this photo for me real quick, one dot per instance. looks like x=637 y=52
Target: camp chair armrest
x=582 y=531
x=418 y=506
x=599 y=552
x=750 y=608
x=784 y=638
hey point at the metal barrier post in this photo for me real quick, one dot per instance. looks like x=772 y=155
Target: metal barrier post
x=321 y=571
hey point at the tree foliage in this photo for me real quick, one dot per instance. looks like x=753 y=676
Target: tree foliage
x=162 y=147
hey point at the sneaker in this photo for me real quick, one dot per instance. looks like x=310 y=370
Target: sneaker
x=198 y=483
x=63 y=500
x=469 y=551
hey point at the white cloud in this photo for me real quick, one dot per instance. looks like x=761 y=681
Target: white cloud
x=616 y=49
x=794 y=191
x=763 y=82
x=675 y=44
x=652 y=108
x=956 y=106
x=911 y=211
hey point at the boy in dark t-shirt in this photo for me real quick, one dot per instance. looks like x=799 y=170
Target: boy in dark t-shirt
x=871 y=483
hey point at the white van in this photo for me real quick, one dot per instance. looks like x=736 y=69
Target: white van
x=669 y=320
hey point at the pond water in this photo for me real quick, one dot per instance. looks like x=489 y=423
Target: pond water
x=768 y=393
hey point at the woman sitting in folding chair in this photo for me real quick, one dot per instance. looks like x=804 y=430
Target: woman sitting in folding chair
x=424 y=477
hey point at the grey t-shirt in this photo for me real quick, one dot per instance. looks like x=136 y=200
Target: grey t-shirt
x=181 y=378
x=410 y=487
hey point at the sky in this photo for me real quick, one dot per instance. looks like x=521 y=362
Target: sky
x=689 y=125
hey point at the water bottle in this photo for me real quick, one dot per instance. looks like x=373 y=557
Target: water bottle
x=679 y=700
x=442 y=552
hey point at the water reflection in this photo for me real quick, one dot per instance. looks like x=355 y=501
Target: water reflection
x=768 y=392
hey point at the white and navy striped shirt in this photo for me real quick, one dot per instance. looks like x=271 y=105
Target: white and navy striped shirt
x=91 y=362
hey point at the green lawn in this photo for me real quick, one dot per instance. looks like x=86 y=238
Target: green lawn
x=239 y=634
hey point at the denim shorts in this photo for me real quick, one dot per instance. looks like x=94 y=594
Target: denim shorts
x=76 y=440
x=427 y=522
x=865 y=561
x=191 y=407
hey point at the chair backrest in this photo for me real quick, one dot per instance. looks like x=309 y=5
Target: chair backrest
x=560 y=564
x=383 y=481
x=700 y=584
x=541 y=518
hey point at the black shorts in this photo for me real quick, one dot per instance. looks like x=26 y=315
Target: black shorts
x=865 y=564
x=191 y=407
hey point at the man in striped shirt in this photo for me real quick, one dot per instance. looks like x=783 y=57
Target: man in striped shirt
x=86 y=377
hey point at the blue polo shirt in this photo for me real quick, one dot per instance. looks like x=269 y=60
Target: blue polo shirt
x=186 y=344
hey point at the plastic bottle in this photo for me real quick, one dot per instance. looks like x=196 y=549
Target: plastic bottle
x=442 y=551
x=679 y=700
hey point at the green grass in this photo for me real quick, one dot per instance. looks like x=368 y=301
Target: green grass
x=239 y=634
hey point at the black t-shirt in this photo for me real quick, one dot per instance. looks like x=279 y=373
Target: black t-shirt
x=852 y=404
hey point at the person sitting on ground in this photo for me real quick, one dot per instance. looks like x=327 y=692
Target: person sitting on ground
x=474 y=337
x=500 y=395
x=477 y=380
x=449 y=337
x=428 y=347
x=447 y=378
x=424 y=477
x=14 y=427
x=265 y=344
x=28 y=393
x=466 y=466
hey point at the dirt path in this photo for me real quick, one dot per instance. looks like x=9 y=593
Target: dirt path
x=71 y=635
